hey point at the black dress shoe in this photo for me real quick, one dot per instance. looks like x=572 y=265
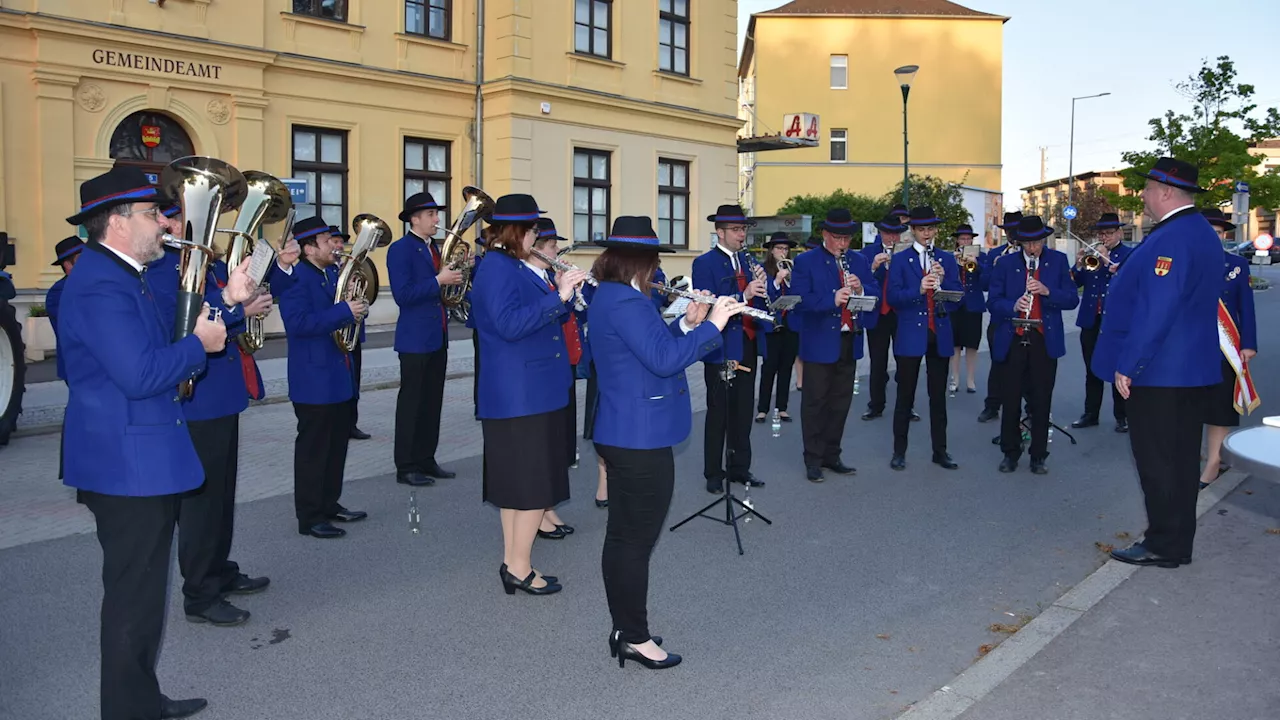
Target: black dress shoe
x=556 y=534
x=502 y=572
x=915 y=416
x=1122 y=426
x=1037 y=467
x=615 y=639
x=898 y=462
x=438 y=472
x=945 y=461
x=416 y=479
x=605 y=503
x=872 y=414
x=1136 y=554
x=988 y=415
x=814 y=473
x=1085 y=421
x=839 y=467
x=358 y=434
x=510 y=584
x=324 y=531
x=715 y=486
x=173 y=709
x=749 y=480
x=785 y=418
x=566 y=529
x=245 y=585
x=760 y=418
x=1008 y=464
x=221 y=614
x=345 y=515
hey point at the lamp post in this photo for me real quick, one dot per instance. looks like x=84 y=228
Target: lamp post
x=905 y=75
x=1071 y=152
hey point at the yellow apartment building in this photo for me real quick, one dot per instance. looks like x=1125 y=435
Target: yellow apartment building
x=836 y=59
x=368 y=101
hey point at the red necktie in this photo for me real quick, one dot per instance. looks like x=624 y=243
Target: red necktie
x=748 y=324
x=929 y=298
x=248 y=367
x=444 y=316
x=846 y=316
x=572 y=339
x=884 y=294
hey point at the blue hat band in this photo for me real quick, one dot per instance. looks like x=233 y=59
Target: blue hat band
x=425 y=206
x=171 y=210
x=925 y=221
x=548 y=233
x=730 y=218
x=1108 y=224
x=310 y=233
x=892 y=228
x=70 y=252
x=519 y=217
x=135 y=194
x=1166 y=178
x=1036 y=235
x=635 y=239
x=832 y=223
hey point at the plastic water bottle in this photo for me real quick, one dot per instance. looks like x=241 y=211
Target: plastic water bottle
x=415 y=518
x=776 y=422
x=857 y=385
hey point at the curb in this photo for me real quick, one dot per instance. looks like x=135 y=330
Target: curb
x=971 y=686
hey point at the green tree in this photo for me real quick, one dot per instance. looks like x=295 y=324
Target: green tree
x=863 y=207
x=945 y=198
x=1215 y=137
x=1090 y=201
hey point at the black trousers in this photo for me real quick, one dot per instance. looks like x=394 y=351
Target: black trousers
x=729 y=419
x=206 y=516
x=475 y=378
x=640 y=487
x=319 y=459
x=357 y=361
x=879 y=338
x=780 y=357
x=1164 y=433
x=824 y=404
x=571 y=416
x=936 y=367
x=1093 y=385
x=994 y=398
x=418 y=407
x=136 y=535
x=1029 y=373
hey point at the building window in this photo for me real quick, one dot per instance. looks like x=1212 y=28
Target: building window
x=839 y=145
x=673 y=203
x=839 y=72
x=327 y=9
x=320 y=158
x=427 y=17
x=590 y=195
x=426 y=169
x=673 y=36
x=591 y=27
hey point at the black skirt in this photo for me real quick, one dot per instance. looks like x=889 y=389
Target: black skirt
x=1222 y=410
x=592 y=400
x=966 y=329
x=526 y=463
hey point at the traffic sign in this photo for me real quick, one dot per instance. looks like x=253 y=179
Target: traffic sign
x=297 y=189
x=1263 y=242
x=1242 y=186
x=1069 y=212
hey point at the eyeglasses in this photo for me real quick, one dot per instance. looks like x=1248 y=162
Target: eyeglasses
x=153 y=212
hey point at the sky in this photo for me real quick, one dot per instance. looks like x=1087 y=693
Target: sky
x=1109 y=39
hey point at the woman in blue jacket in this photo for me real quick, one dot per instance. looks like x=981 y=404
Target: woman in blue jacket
x=524 y=387
x=643 y=410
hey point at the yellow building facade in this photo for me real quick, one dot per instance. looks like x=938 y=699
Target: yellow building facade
x=368 y=101
x=836 y=59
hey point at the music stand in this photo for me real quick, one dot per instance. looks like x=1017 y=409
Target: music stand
x=861 y=303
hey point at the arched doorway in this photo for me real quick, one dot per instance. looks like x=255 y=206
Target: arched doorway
x=149 y=140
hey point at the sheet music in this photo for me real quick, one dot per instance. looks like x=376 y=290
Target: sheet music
x=260 y=262
x=677 y=308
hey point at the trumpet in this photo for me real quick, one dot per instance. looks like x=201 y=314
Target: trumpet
x=786 y=264
x=968 y=263
x=1094 y=258
x=708 y=300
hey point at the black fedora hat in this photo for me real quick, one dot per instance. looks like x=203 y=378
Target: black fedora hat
x=890 y=223
x=1011 y=220
x=516 y=208
x=780 y=238
x=899 y=210
x=117 y=186
x=1176 y=173
x=633 y=232
x=335 y=231
x=727 y=214
x=813 y=242
x=547 y=230
x=1032 y=228
x=1217 y=218
x=66 y=249
x=1108 y=221
x=839 y=222
x=923 y=216
x=416 y=202
x=308 y=228
x=964 y=229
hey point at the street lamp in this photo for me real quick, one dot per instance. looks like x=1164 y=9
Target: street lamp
x=1071 y=153
x=905 y=75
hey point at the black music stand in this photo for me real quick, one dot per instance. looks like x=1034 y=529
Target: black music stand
x=1024 y=422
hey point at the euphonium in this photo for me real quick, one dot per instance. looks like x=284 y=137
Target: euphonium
x=268 y=202
x=205 y=188
x=357 y=278
x=456 y=252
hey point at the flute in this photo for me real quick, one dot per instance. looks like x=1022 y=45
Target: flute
x=708 y=300
x=562 y=266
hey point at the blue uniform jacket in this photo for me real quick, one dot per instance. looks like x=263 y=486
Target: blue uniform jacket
x=422 y=322
x=815 y=278
x=1095 y=284
x=1009 y=282
x=644 y=397
x=988 y=262
x=1238 y=297
x=713 y=271
x=320 y=373
x=1160 y=326
x=127 y=434
x=972 y=283
x=52 y=300
x=912 y=336
x=880 y=277
x=659 y=300
x=475 y=268
x=524 y=366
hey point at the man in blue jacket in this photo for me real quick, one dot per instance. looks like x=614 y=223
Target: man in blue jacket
x=416 y=271
x=68 y=250
x=1159 y=344
x=1089 y=319
x=991 y=404
x=357 y=355
x=319 y=382
x=1033 y=285
x=131 y=456
x=882 y=325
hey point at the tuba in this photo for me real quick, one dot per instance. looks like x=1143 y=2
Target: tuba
x=205 y=187
x=357 y=277
x=456 y=252
x=267 y=203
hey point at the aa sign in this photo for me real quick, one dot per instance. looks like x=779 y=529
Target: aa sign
x=801 y=125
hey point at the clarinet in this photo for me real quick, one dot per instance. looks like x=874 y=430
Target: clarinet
x=844 y=271
x=707 y=300
x=939 y=310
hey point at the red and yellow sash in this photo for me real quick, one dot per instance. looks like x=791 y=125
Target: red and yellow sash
x=1245 y=395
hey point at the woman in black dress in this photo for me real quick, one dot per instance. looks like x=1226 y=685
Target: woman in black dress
x=783 y=345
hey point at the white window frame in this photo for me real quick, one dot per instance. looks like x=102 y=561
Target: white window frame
x=842 y=140
x=840 y=62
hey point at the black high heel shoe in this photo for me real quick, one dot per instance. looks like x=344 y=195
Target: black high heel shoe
x=557 y=534
x=626 y=651
x=510 y=584
x=602 y=503
x=566 y=529
x=616 y=637
x=502 y=572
